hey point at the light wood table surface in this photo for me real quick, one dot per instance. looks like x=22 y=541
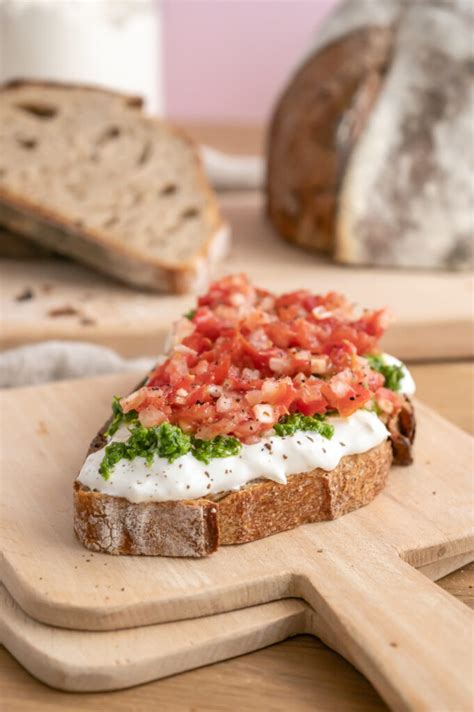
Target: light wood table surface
x=298 y=674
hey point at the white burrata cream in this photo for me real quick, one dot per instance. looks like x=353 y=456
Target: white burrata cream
x=272 y=458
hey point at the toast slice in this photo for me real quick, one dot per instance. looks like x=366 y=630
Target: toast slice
x=196 y=528
x=267 y=413
x=84 y=172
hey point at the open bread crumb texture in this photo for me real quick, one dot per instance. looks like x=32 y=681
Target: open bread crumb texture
x=96 y=160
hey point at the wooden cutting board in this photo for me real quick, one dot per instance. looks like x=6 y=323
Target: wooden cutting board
x=90 y=661
x=355 y=572
x=71 y=302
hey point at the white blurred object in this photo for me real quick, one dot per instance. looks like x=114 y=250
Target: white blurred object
x=58 y=360
x=112 y=43
x=228 y=172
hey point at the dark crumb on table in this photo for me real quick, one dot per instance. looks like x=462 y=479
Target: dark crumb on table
x=66 y=310
x=25 y=295
x=42 y=428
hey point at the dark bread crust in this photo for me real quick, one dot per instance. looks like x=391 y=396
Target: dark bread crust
x=16 y=247
x=314 y=128
x=402 y=429
x=132 y=100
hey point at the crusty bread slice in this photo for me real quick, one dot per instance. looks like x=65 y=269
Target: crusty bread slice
x=195 y=528
x=84 y=172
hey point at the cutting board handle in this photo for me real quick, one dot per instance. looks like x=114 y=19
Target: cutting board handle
x=409 y=637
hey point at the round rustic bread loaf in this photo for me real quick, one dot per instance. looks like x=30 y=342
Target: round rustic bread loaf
x=368 y=149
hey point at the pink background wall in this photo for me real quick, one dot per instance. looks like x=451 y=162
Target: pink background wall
x=227 y=59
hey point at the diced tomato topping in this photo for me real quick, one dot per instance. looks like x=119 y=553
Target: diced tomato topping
x=247 y=357
x=388 y=401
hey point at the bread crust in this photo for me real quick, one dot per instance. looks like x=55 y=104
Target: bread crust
x=16 y=247
x=314 y=128
x=265 y=508
x=114 y=525
x=132 y=100
x=94 y=247
x=195 y=528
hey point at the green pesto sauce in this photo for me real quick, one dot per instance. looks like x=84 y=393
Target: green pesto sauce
x=119 y=417
x=170 y=442
x=393 y=374
x=289 y=424
x=165 y=440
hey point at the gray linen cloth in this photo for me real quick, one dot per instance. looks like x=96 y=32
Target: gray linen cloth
x=58 y=360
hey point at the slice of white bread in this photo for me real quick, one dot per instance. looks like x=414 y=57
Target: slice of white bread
x=196 y=528
x=85 y=172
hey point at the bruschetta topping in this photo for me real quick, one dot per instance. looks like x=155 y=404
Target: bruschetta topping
x=245 y=359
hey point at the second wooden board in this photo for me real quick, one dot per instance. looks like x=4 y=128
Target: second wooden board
x=55 y=299
x=87 y=661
